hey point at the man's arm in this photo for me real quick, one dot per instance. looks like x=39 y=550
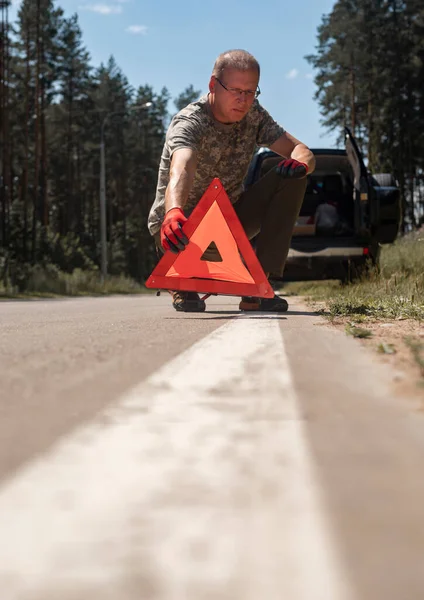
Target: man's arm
x=289 y=147
x=181 y=176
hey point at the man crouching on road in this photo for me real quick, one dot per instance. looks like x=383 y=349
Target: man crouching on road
x=216 y=136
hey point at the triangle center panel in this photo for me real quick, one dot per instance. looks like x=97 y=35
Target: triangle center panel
x=212 y=229
x=211 y=249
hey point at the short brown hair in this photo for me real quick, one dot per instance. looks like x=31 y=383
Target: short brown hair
x=240 y=60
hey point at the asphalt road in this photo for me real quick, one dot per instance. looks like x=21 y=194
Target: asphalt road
x=148 y=454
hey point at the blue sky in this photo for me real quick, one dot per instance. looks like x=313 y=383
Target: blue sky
x=174 y=44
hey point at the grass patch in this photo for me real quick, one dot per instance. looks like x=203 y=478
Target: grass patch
x=49 y=282
x=319 y=290
x=358 y=332
x=384 y=348
x=396 y=291
x=365 y=304
x=417 y=349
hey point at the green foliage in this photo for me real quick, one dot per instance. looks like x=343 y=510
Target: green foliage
x=357 y=332
x=396 y=307
x=47 y=280
x=56 y=106
x=384 y=348
x=417 y=348
x=369 y=72
x=396 y=291
x=187 y=96
x=404 y=260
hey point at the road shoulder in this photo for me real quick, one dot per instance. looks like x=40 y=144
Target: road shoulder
x=395 y=343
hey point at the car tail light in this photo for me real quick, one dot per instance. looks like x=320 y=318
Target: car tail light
x=366 y=251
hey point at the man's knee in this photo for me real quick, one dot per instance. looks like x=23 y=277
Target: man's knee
x=291 y=194
x=293 y=186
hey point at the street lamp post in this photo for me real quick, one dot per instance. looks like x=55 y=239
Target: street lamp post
x=103 y=234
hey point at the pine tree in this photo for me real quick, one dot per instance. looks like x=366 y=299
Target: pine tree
x=370 y=71
x=187 y=96
x=5 y=139
x=36 y=65
x=50 y=159
x=68 y=120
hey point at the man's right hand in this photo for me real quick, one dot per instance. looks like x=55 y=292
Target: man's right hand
x=291 y=168
x=172 y=236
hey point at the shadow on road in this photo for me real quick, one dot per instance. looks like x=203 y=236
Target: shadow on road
x=306 y=313
x=226 y=315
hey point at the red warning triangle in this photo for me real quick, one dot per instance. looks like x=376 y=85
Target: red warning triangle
x=239 y=273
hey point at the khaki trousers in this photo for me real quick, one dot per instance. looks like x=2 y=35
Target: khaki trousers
x=268 y=211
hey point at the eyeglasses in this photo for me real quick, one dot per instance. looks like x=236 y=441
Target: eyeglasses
x=238 y=93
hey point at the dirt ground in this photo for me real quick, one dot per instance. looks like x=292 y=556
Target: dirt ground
x=408 y=375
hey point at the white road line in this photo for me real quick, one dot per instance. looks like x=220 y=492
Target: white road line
x=197 y=485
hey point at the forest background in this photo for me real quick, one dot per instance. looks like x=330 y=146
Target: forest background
x=54 y=104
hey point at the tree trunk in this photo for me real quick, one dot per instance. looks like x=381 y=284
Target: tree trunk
x=69 y=192
x=25 y=175
x=4 y=125
x=43 y=165
x=37 y=136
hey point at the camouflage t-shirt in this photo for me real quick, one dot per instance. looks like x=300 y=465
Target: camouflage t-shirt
x=223 y=151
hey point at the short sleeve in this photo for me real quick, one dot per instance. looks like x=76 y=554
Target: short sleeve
x=183 y=133
x=269 y=130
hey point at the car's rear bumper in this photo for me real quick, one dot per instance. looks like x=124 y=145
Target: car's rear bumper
x=322 y=262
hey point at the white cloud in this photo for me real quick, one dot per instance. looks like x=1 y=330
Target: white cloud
x=137 y=29
x=103 y=9
x=292 y=74
x=309 y=76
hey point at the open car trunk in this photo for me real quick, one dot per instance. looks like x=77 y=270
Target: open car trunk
x=328 y=209
x=342 y=199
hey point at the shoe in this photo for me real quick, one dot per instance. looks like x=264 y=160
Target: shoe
x=276 y=304
x=187 y=302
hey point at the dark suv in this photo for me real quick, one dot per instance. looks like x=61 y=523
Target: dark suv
x=346 y=215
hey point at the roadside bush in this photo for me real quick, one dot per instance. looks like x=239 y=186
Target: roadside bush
x=49 y=280
x=404 y=259
x=396 y=290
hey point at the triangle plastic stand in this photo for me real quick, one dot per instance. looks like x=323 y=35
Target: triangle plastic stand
x=237 y=271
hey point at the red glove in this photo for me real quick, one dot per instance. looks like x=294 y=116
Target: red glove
x=292 y=169
x=172 y=236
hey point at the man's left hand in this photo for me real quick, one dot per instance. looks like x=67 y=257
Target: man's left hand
x=172 y=236
x=290 y=168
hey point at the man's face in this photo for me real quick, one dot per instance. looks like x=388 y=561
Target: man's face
x=230 y=106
